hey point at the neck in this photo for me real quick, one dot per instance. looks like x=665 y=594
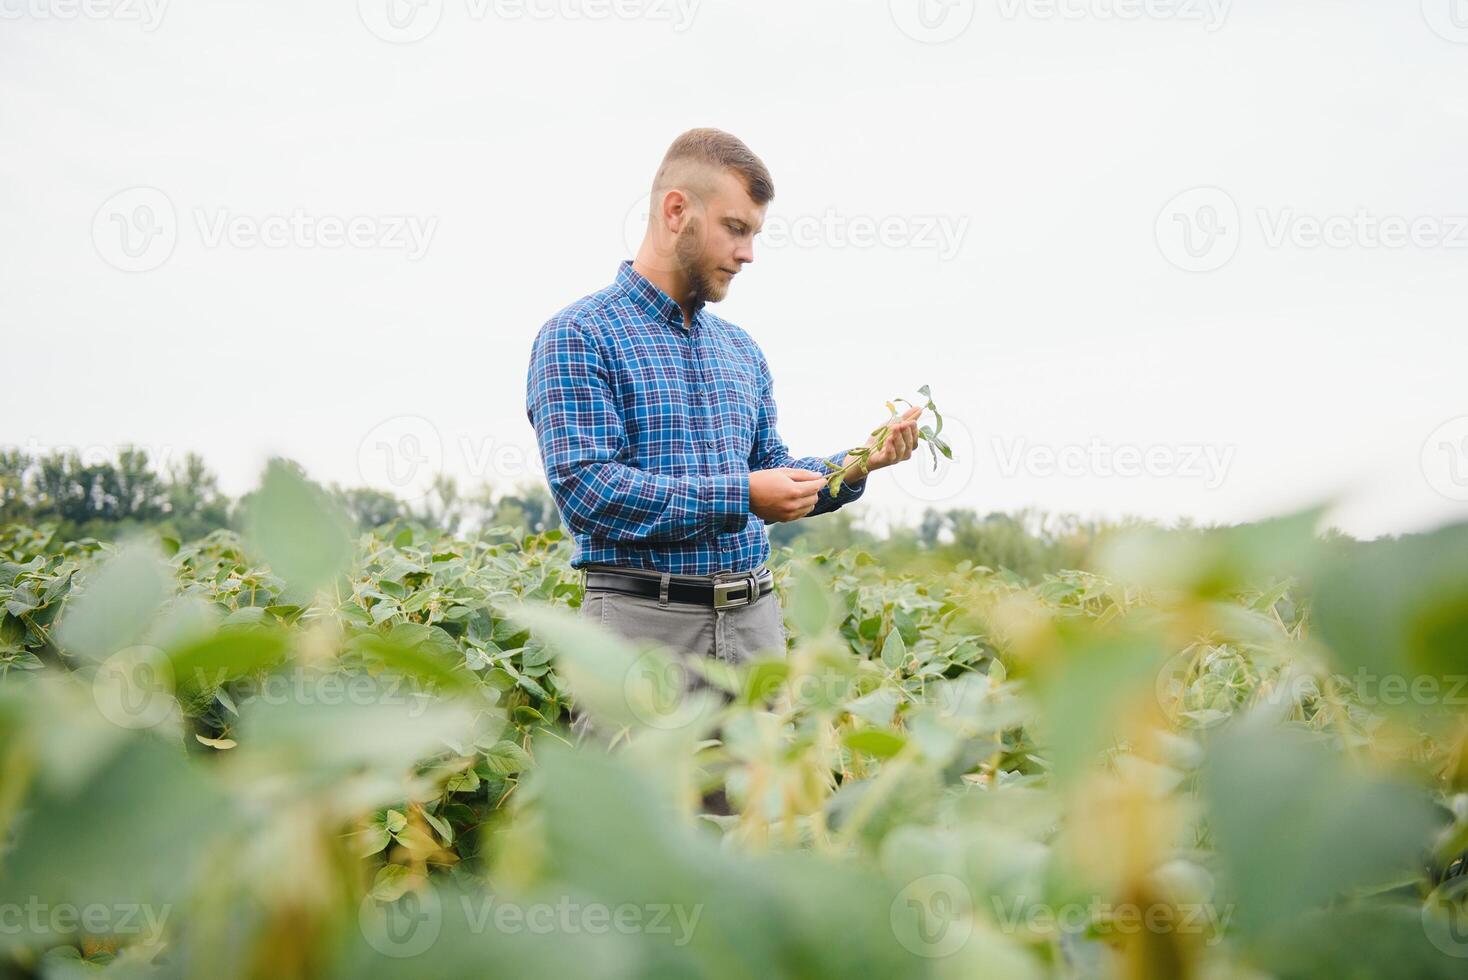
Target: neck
x=673 y=282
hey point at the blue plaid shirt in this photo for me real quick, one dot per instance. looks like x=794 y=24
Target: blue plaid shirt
x=649 y=429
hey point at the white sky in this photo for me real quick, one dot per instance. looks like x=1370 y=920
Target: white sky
x=1049 y=142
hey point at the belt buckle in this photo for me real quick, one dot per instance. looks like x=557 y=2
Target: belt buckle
x=746 y=582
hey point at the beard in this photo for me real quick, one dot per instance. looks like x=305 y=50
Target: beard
x=702 y=288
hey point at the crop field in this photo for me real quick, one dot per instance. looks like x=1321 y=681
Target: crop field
x=304 y=751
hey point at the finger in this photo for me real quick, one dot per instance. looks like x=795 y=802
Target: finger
x=804 y=476
x=912 y=413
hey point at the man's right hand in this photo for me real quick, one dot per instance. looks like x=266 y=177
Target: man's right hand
x=784 y=493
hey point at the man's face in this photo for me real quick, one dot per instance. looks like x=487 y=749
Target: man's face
x=718 y=239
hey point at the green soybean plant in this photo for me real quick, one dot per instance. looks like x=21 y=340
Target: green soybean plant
x=856 y=457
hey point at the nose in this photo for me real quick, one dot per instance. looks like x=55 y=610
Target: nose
x=744 y=253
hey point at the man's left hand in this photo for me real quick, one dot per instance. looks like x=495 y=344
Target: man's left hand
x=902 y=440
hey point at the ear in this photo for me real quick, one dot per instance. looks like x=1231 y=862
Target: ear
x=674 y=209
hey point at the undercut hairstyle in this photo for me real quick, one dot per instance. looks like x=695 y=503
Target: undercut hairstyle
x=698 y=154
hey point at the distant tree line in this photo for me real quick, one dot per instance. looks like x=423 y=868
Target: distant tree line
x=106 y=498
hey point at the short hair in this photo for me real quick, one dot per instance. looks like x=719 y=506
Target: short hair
x=701 y=149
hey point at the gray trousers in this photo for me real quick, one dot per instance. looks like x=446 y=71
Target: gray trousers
x=735 y=634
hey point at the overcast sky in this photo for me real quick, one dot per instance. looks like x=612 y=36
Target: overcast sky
x=1160 y=257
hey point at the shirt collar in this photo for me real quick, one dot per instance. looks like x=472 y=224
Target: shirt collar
x=650 y=299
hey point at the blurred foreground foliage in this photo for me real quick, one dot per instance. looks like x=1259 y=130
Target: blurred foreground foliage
x=302 y=749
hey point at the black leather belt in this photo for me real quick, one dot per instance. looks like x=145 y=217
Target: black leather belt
x=721 y=590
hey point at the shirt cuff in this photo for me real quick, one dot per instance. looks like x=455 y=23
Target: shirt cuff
x=727 y=499
x=848 y=492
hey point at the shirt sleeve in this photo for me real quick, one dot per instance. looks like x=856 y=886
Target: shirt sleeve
x=770 y=452
x=581 y=435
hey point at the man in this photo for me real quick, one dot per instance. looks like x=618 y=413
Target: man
x=656 y=423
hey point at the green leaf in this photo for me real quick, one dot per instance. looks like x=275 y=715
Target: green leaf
x=391 y=883
x=464 y=782
x=875 y=742
x=373 y=840
x=507 y=758
x=303 y=535
x=894 y=650
x=1296 y=825
x=119 y=601
x=810 y=603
